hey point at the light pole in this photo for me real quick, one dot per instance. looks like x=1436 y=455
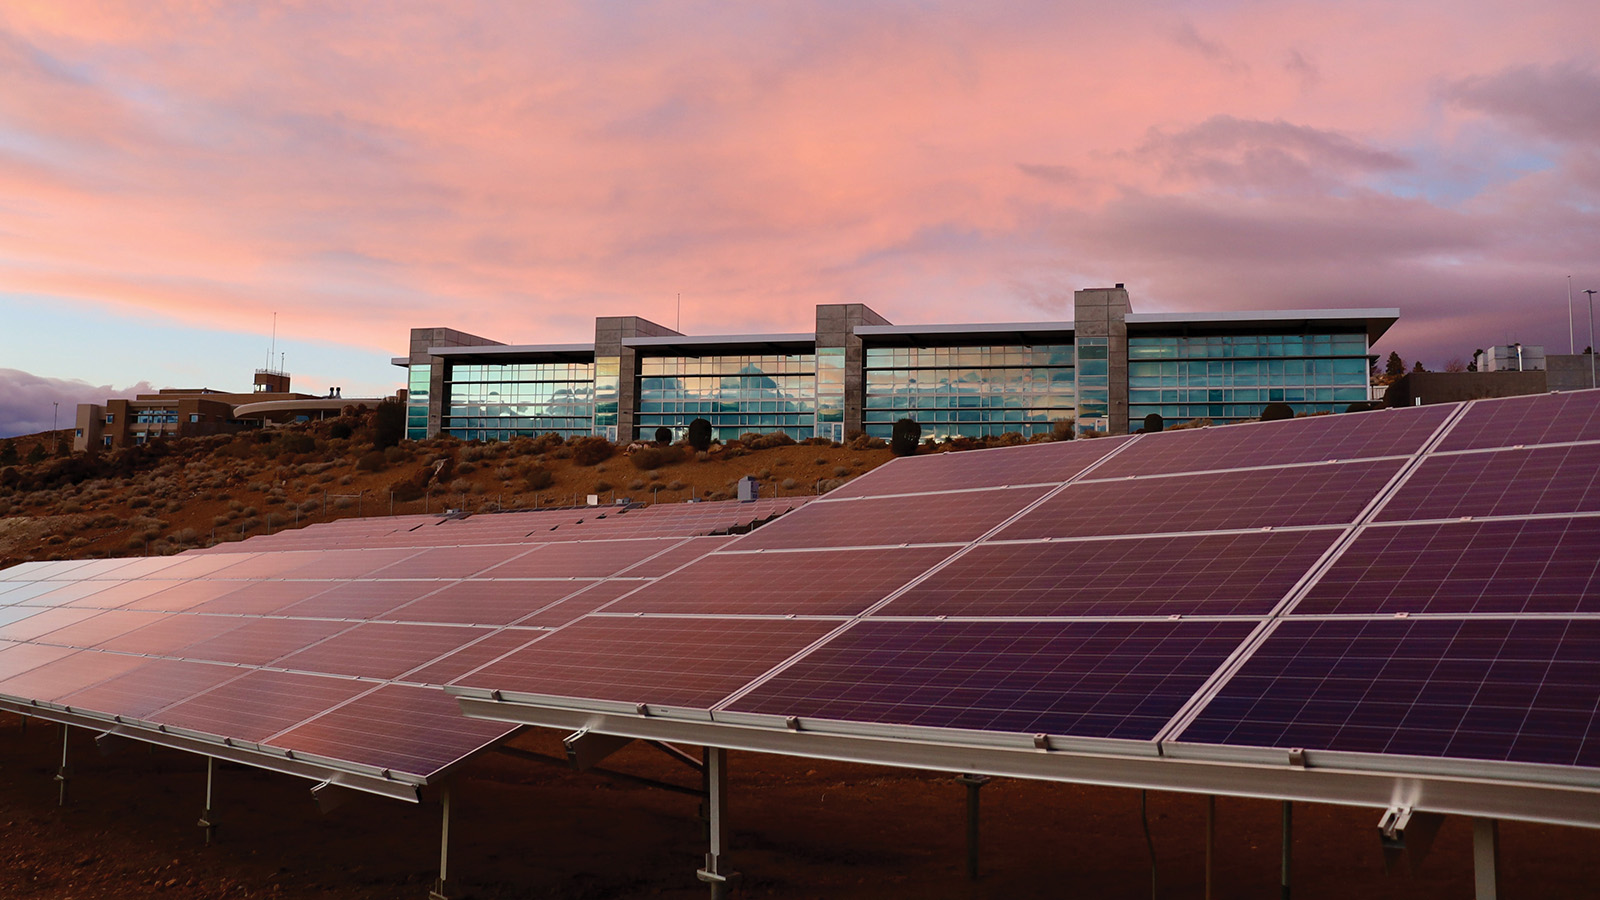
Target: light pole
x=1591 y=337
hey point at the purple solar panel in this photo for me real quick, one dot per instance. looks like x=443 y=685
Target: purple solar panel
x=156 y=683
x=452 y=562
x=15 y=659
x=486 y=602
x=1215 y=501
x=472 y=656
x=1506 y=566
x=1084 y=679
x=258 y=642
x=806 y=583
x=1050 y=463
x=580 y=559
x=1389 y=432
x=45 y=622
x=1535 y=419
x=946 y=518
x=419 y=731
x=662 y=662
x=260 y=704
x=1222 y=574
x=580 y=604
x=120 y=594
x=1524 y=691
x=381 y=650
x=183 y=595
x=1503 y=483
x=94 y=630
x=73 y=672
x=338 y=564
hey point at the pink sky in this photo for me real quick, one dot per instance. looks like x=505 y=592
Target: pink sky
x=516 y=169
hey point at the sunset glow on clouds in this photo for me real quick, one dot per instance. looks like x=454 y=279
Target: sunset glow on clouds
x=516 y=169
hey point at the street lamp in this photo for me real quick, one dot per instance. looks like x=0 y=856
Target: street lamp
x=1591 y=337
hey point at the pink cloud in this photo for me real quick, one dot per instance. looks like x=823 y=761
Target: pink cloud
x=514 y=171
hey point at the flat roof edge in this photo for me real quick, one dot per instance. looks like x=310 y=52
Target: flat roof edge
x=510 y=349
x=799 y=337
x=974 y=328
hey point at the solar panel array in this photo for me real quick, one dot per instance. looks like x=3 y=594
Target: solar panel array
x=1409 y=581
x=333 y=655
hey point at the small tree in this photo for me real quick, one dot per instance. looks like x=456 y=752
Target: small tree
x=1276 y=411
x=1455 y=364
x=8 y=453
x=903 y=441
x=1395 y=365
x=1153 y=423
x=663 y=435
x=388 y=423
x=700 y=435
x=588 y=451
x=37 y=454
x=1418 y=367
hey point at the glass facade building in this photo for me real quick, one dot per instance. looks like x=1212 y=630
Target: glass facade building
x=1105 y=371
x=970 y=390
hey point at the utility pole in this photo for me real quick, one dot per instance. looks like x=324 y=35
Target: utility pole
x=1591 y=337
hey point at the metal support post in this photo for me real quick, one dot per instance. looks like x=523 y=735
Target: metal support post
x=1211 y=843
x=1288 y=843
x=444 y=846
x=206 y=821
x=716 y=872
x=1486 y=858
x=61 y=774
x=974 y=783
x=1149 y=842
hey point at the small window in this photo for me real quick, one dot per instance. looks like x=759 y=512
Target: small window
x=111 y=418
x=107 y=440
x=80 y=432
x=194 y=417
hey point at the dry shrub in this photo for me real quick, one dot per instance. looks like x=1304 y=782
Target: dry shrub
x=648 y=458
x=588 y=451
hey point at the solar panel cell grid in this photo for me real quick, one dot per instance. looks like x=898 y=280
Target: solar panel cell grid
x=1506 y=566
x=808 y=583
x=471 y=656
x=359 y=599
x=486 y=602
x=261 y=598
x=668 y=662
x=414 y=730
x=1505 y=483
x=947 y=518
x=16 y=659
x=260 y=704
x=1496 y=689
x=1390 y=432
x=183 y=595
x=73 y=672
x=120 y=594
x=585 y=559
x=1538 y=419
x=258 y=642
x=1085 y=679
x=97 y=629
x=45 y=622
x=1301 y=495
x=657 y=566
x=381 y=650
x=170 y=634
x=156 y=683
x=451 y=562
x=1050 y=463
x=1228 y=574
x=581 y=604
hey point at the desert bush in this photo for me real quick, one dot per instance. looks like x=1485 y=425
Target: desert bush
x=703 y=455
x=587 y=451
x=290 y=443
x=343 y=503
x=537 y=478
x=840 y=471
x=138 y=502
x=395 y=454
x=636 y=485
x=699 y=436
x=788 y=484
x=372 y=461
x=388 y=424
x=465 y=468
x=866 y=442
x=600 y=487
x=346 y=479
x=675 y=486
x=1063 y=429
x=340 y=431
x=756 y=441
x=649 y=458
x=309 y=506
x=460 y=486
x=905 y=437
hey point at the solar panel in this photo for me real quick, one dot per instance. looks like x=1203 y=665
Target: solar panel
x=581 y=604
x=1050 y=463
x=485 y=602
x=261 y=598
x=74 y=671
x=947 y=518
x=45 y=622
x=169 y=635
x=471 y=656
x=359 y=599
x=259 y=704
x=407 y=729
x=1507 y=566
x=1523 y=691
x=381 y=649
x=1537 y=419
x=1538 y=480
x=1220 y=574
x=451 y=562
x=156 y=683
x=668 y=662
x=257 y=642
x=656 y=566
x=182 y=595
x=95 y=629
x=1086 y=679
x=1390 y=432
x=784 y=583
x=581 y=559
x=1297 y=495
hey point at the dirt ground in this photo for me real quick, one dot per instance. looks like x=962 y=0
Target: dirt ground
x=801 y=828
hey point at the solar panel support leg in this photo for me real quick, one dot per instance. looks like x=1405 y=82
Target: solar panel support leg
x=444 y=846
x=716 y=872
x=1211 y=843
x=974 y=783
x=62 y=774
x=206 y=820
x=1288 y=844
x=1486 y=858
